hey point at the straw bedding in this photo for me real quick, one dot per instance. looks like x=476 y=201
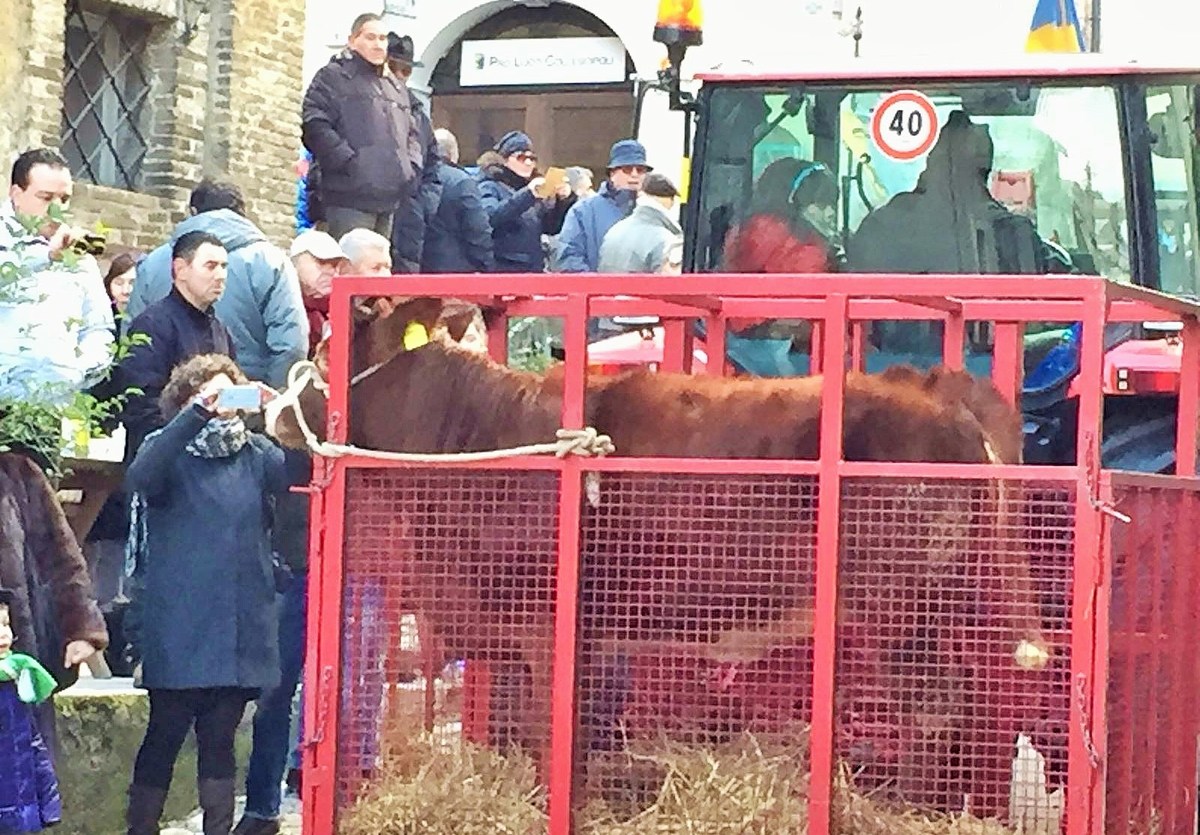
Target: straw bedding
x=443 y=788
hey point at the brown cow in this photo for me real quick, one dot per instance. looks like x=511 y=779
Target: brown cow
x=665 y=558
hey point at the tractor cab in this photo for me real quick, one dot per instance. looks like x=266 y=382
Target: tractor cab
x=1059 y=164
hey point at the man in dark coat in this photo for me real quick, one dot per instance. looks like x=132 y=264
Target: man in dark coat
x=358 y=123
x=459 y=236
x=178 y=327
x=410 y=224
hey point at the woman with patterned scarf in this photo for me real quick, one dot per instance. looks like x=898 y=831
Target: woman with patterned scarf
x=208 y=628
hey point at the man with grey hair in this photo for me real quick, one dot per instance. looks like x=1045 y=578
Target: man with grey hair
x=368 y=252
x=458 y=238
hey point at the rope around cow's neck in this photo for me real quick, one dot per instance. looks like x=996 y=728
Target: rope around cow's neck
x=586 y=442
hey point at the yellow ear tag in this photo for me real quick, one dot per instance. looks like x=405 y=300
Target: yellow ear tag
x=415 y=335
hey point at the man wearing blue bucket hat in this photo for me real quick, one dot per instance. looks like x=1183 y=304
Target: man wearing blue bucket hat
x=589 y=220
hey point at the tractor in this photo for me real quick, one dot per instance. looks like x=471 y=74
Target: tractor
x=1053 y=164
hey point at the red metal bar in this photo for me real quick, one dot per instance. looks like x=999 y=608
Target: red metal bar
x=1151 y=709
x=1115 y=676
x=715 y=346
x=322 y=690
x=954 y=334
x=477 y=697
x=566 y=600
x=1085 y=808
x=816 y=347
x=1188 y=420
x=318 y=759
x=428 y=669
x=858 y=346
x=676 y=346
x=1186 y=536
x=824 y=688
x=1178 y=649
x=1007 y=360
x=730 y=285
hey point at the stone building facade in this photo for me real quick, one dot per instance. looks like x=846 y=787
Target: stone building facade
x=145 y=97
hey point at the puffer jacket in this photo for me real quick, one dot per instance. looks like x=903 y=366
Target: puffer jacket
x=358 y=122
x=518 y=219
x=29 y=799
x=262 y=304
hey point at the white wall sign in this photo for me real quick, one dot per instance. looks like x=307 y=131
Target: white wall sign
x=400 y=8
x=532 y=61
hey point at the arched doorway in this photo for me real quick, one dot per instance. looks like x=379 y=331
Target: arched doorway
x=572 y=94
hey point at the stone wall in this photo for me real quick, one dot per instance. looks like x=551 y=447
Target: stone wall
x=224 y=102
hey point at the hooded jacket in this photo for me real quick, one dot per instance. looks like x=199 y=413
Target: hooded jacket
x=586 y=225
x=262 y=305
x=357 y=121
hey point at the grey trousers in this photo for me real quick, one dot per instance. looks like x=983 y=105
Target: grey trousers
x=341 y=220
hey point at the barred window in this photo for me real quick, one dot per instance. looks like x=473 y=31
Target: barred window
x=105 y=94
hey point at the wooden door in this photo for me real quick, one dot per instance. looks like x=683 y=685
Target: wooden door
x=576 y=128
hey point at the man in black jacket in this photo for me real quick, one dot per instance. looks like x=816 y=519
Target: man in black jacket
x=178 y=328
x=409 y=235
x=459 y=237
x=359 y=125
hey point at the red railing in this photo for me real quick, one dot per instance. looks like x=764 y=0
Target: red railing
x=383 y=536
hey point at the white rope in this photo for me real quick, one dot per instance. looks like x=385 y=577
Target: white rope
x=586 y=442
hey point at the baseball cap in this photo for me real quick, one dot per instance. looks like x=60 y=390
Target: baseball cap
x=318 y=244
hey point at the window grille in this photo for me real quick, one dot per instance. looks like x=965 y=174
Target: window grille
x=106 y=91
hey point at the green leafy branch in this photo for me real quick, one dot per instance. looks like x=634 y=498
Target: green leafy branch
x=33 y=424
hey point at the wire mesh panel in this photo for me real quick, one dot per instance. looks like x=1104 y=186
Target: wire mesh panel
x=1153 y=713
x=443 y=569
x=695 y=645
x=940 y=705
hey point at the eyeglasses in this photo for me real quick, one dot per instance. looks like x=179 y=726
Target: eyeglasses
x=527 y=156
x=632 y=169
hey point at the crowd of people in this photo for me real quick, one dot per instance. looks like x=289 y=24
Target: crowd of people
x=210 y=618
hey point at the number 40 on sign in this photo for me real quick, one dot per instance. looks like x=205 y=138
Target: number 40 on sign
x=905 y=125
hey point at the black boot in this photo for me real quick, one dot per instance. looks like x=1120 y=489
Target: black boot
x=216 y=799
x=145 y=808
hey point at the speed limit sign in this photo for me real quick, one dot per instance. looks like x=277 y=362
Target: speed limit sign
x=905 y=125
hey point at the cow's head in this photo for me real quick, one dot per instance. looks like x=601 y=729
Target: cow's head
x=383 y=329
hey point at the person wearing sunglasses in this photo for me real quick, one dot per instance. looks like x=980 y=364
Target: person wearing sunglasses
x=511 y=193
x=589 y=221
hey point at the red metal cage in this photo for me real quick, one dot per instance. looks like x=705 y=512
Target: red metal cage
x=860 y=616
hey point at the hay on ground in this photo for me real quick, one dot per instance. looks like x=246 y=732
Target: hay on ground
x=666 y=788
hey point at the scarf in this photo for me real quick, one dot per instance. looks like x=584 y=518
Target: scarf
x=218 y=438
x=34 y=684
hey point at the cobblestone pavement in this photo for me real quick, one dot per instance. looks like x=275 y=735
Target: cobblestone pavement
x=191 y=826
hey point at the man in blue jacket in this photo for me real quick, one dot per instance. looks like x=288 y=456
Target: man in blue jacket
x=589 y=220
x=262 y=305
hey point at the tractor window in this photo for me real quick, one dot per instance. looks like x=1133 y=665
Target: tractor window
x=1173 y=158
x=954 y=178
